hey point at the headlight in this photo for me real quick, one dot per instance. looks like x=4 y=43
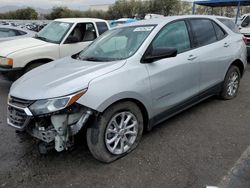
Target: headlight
x=6 y=61
x=46 y=106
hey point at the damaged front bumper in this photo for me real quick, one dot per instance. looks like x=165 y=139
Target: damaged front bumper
x=56 y=128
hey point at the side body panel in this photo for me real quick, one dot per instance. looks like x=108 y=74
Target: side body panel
x=23 y=57
x=70 y=49
x=129 y=82
x=173 y=80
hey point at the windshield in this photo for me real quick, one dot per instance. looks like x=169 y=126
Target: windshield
x=117 y=44
x=54 y=32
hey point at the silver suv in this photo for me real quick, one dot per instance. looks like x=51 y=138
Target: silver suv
x=129 y=80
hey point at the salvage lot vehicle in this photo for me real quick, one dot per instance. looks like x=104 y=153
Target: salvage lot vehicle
x=160 y=68
x=60 y=38
x=11 y=33
x=245 y=30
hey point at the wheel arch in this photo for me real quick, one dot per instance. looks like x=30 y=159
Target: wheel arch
x=238 y=63
x=41 y=60
x=140 y=105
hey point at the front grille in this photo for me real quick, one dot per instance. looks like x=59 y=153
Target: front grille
x=17 y=116
x=20 y=102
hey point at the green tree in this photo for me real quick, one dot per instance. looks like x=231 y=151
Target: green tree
x=22 y=14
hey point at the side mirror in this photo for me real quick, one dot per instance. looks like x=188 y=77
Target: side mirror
x=71 y=40
x=159 y=53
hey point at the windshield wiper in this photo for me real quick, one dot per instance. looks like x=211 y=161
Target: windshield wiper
x=94 y=59
x=41 y=38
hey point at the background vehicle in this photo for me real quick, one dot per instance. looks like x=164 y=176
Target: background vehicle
x=60 y=38
x=153 y=16
x=122 y=21
x=245 y=30
x=11 y=33
x=129 y=80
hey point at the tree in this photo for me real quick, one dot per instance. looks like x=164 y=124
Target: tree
x=63 y=12
x=21 y=14
x=185 y=8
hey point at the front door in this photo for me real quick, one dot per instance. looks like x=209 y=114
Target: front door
x=173 y=80
x=81 y=36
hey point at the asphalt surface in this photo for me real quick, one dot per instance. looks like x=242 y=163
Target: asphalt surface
x=239 y=175
x=194 y=149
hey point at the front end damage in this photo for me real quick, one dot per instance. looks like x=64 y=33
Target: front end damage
x=54 y=130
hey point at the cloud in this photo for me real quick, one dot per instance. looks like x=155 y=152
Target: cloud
x=51 y=3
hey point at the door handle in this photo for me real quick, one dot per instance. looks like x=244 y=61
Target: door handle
x=192 y=57
x=226 y=44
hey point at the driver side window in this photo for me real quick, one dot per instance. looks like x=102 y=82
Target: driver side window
x=174 y=35
x=82 y=32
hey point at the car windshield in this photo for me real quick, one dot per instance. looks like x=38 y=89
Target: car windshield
x=54 y=32
x=117 y=44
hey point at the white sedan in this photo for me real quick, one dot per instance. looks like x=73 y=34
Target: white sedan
x=11 y=33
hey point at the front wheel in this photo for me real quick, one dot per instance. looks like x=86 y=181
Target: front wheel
x=231 y=83
x=117 y=132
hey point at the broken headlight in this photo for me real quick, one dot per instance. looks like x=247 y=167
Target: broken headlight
x=46 y=106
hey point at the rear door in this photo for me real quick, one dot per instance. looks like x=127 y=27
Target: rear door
x=85 y=33
x=212 y=49
x=173 y=80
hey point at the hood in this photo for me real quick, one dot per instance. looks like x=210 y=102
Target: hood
x=59 y=78
x=9 y=47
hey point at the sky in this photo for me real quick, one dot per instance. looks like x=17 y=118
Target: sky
x=46 y=4
x=76 y=4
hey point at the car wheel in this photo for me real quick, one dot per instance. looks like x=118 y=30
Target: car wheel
x=231 y=83
x=32 y=66
x=116 y=132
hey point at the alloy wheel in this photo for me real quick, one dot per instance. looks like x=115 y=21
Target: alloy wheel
x=121 y=132
x=233 y=84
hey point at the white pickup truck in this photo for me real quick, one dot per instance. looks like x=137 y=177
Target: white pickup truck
x=60 y=38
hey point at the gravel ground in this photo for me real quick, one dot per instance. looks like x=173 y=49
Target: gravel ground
x=194 y=149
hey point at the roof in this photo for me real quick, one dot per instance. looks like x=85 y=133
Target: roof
x=219 y=3
x=167 y=19
x=77 y=20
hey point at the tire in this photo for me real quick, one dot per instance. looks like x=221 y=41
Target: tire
x=32 y=66
x=231 y=83
x=104 y=130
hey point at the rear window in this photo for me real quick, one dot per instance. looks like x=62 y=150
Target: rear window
x=230 y=24
x=203 y=31
x=102 y=27
x=219 y=32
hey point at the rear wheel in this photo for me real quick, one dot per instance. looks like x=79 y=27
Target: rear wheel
x=231 y=83
x=117 y=132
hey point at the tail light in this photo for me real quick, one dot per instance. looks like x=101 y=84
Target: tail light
x=244 y=39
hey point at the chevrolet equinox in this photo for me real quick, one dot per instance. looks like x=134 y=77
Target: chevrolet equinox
x=130 y=79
